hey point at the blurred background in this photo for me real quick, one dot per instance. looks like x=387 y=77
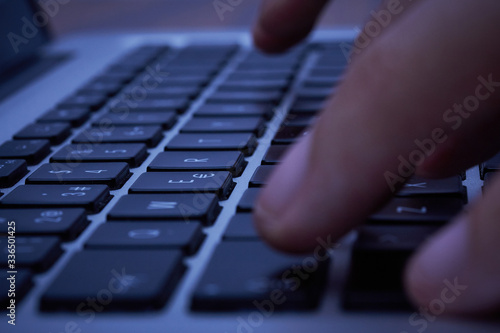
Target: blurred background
x=127 y=15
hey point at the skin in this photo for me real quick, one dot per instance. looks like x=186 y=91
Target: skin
x=395 y=91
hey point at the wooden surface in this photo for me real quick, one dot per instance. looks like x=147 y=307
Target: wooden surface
x=129 y=15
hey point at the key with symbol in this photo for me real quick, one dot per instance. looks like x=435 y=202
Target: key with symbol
x=136 y=280
x=75 y=117
x=202 y=207
x=91 y=197
x=112 y=174
x=254 y=125
x=416 y=186
x=149 y=135
x=32 y=151
x=11 y=171
x=218 y=182
x=54 y=132
x=259 y=275
x=236 y=110
x=166 y=119
x=142 y=235
x=66 y=223
x=418 y=210
x=132 y=153
x=36 y=253
x=244 y=142
x=232 y=161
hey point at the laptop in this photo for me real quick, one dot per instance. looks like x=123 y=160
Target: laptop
x=129 y=165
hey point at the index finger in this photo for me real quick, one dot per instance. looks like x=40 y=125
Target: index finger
x=396 y=93
x=283 y=23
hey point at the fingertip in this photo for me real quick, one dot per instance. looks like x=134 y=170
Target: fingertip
x=268 y=42
x=270 y=228
x=439 y=265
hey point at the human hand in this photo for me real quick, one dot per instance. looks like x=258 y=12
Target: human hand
x=432 y=74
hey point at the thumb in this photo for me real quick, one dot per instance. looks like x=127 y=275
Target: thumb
x=458 y=270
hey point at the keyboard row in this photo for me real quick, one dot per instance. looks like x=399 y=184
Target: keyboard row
x=137 y=256
x=183 y=184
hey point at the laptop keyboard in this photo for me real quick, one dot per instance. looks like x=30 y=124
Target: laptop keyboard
x=95 y=139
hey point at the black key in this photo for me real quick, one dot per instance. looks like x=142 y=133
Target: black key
x=275 y=154
x=132 y=153
x=117 y=80
x=314 y=93
x=489 y=177
x=241 y=228
x=260 y=277
x=35 y=253
x=246 y=97
x=292 y=56
x=92 y=102
x=33 y=151
x=275 y=66
x=244 y=142
x=112 y=174
x=200 y=52
x=91 y=197
x=419 y=210
x=75 y=117
x=118 y=280
x=165 y=119
x=379 y=257
x=102 y=86
x=187 y=207
x=244 y=75
x=124 y=76
x=260 y=176
x=11 y=171
x=232 y=161
x=142 y=235
x=321 y=82
x=491 y=165
x=248 y=199
x=289 y=134
x=253 y=85
x=66 y=223
x=201 y=71
x=161 y=105
x=54 y=132
x=201 y=77
x=327 y=72
x=253 y=125
x=164 y=92
x=184 y=81
x=307 y=107
x=126 y=105
x=14 y=286
x=417 y=186
x=236 y=110
x=149 y=135
x=298 y=120
x=218 y=182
